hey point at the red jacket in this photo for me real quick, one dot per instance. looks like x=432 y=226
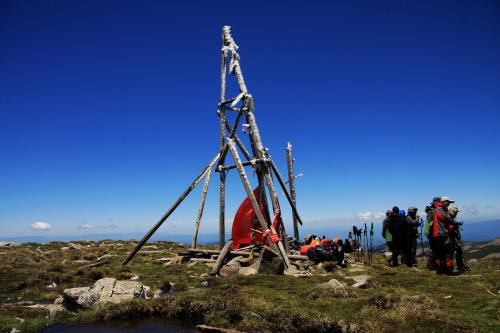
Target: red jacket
x=442 y=220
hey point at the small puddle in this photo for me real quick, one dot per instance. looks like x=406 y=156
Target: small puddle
x=146 y=326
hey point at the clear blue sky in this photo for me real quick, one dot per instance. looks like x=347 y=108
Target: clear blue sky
x=108 y=107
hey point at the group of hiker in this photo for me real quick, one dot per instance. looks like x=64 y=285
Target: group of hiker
x=400 y=231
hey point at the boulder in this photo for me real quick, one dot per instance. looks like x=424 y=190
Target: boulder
x=361 y=280
x=270 y=263
x=106 y=290
x=53 y=309
x=247 y=271
x=335 y=284
x=228 y=271
x=80 y=297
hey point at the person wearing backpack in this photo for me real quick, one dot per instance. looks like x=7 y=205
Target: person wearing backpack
x=440 y=233
x=386 y=233
x=429 y=222
x=412 y=224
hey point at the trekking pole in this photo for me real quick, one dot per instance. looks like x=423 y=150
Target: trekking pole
x=371 y=244
x=365 y=248
x=354 y=248
x=422 y=236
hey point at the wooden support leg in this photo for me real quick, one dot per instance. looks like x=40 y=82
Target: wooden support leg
x=172 y=208
x=222 y=208
x=221 y=257
x=200 y=209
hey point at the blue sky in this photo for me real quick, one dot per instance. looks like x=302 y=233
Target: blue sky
x=108 y=108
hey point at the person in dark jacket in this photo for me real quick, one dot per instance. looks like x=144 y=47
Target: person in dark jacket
x=412 y=223
x=396 y=228
x=456 y=240
x=441 y=225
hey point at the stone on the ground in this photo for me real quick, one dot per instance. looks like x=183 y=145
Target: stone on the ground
x=228 y=271
x=247 y=271
x=270 y=263
x=80 y=297
x=106 y=290
x=204 y=284
x=238 y=261
x=361 y=280
x=335 y=284
x=134 y=278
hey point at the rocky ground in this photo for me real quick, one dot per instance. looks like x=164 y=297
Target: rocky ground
x=84 y=282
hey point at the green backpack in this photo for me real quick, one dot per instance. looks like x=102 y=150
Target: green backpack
x=428 y=227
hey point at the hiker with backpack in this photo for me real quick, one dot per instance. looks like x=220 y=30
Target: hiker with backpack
x=442 y=243
x=456 y=240
x=428 y=227
x=385 y=231
x=396 y=227
x=410 y=244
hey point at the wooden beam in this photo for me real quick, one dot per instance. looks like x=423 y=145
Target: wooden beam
x=291 y=184
x=200 y=208
x=172 y=208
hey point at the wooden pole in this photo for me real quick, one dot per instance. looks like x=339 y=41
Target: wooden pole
x=253 y=200
x=222 y=255
x=200 y=208
x=172 y=208
x=222 y=132
x=283 y=187
x=222 y=208
x=291 y=184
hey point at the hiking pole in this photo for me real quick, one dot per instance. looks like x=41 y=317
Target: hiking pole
x=371 y=244
x=365 y=247
x=422 y=236
x=355 y=233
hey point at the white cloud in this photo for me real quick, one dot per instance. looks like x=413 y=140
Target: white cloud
x=365 y=216
x=85 y=226
x=39 y=225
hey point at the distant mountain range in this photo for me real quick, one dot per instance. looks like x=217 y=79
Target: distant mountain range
x=473 y=231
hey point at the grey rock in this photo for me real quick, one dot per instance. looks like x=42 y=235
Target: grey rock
x=8 y=244
x=361 y=280
x=228 y=271
x=335 y=284
x=204 y=284
x=247 y=271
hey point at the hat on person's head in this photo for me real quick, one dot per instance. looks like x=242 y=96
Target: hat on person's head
x=435 y=199
x=445 y=198
x=412 y=209
x=453 y=210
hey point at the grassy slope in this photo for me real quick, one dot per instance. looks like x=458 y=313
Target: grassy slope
x=400 y=299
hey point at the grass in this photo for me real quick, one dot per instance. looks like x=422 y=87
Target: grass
x=398 y=299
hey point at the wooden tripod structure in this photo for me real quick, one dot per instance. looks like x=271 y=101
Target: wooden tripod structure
x=259 y=160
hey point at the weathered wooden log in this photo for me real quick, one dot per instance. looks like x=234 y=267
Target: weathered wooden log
x=235 y=59
x=291 y=185
x=253 y=200
x=283 y=187
x=241 y=253
x=172 y=208
x=222 y=208
x=222 y=255
x=200 y=208
x=246 y=163
x=202 y=260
